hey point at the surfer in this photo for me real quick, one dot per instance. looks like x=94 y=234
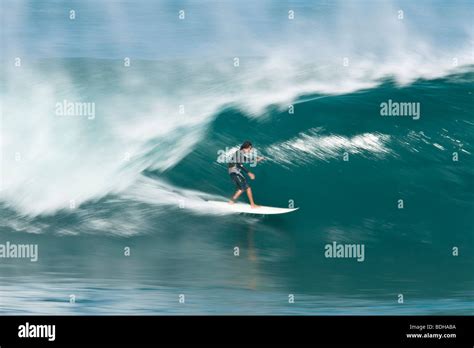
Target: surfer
x=235 y=168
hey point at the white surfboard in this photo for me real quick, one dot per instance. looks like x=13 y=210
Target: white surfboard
x=246 y=208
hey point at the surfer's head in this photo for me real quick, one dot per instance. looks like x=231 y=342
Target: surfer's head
x=246 y=146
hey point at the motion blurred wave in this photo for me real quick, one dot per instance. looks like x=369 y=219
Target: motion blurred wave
x=153 y=115
x=149 y=120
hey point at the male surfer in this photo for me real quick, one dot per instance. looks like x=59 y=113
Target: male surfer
x=235 y=169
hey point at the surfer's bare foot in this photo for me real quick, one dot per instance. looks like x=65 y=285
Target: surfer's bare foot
x=254 y=206
x=231 y=202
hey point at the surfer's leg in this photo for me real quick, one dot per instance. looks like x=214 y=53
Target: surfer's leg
x=235 y=196
x=249 y=194
x=239 y=182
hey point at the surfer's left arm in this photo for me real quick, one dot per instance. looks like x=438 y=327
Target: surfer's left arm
x=241 y=167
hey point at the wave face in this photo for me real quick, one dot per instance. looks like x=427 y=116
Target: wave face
x=139 y=162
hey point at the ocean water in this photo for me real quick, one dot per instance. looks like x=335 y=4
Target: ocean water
x=135 y=174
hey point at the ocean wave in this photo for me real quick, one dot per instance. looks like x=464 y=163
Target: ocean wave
x=153 y=113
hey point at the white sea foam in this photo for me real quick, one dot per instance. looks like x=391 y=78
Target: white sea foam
x=311 y=145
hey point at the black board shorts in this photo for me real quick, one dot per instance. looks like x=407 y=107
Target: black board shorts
x=239 y=181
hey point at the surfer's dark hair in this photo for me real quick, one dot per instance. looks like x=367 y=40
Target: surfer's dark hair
x=246 y=145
